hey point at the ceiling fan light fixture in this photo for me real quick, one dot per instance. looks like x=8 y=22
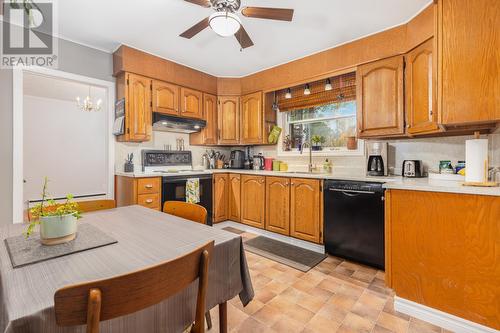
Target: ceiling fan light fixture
x=328 y=85
x=288 y=94
x=224 y=24
x=307 y=90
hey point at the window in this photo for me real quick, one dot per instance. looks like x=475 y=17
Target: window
x=331 y=123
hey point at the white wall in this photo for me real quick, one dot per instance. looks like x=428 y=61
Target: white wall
x=73 y=58
x=65 y=144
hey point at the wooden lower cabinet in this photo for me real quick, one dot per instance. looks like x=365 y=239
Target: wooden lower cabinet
x=253 y=192
x=278 y=205
x=220 y=197
x=138 y=191
x=305 y=205
x=442 y=251
x=234 y=200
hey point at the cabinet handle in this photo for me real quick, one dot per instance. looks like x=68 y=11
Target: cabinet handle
x=292 y=184
x=148 y=186
x=286 y=184
x=149 y=201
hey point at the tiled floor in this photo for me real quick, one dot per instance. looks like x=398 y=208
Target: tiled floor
x=335 y=296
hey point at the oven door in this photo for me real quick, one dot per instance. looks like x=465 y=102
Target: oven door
x=174 y=189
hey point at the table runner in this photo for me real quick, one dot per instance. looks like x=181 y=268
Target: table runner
x=145 y=237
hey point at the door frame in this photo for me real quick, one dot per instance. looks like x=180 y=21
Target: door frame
x=18 y=135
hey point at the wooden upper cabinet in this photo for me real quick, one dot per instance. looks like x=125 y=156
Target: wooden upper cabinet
x=420 y=90
x=138 y=109
x=191 y=103
x=234 y=197
x=305 y=207
x=208 y=135
x=253 y=192
x=210 y=115
x=220 y=202
x=252 y=119
x=229 y=120
x=165 y=98
x=380 y=100
x=278 y=205
x=469 y=50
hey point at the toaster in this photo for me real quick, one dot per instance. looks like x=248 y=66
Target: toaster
x=413 y=169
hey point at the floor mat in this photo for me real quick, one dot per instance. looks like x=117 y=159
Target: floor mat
x=233 y=230
x=290 y=255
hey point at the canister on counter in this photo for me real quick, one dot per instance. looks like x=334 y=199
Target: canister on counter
x=283 y=166
x=276 y=165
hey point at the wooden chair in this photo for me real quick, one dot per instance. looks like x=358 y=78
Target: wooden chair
x=87 y=206
x=192 y=212
x=186 y=210
x=92 y=302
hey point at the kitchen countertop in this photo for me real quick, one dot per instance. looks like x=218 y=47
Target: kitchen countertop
x=391 y=182
x=436 y=185
x=292 y=174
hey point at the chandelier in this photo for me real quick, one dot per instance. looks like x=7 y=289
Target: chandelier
x=87 y=104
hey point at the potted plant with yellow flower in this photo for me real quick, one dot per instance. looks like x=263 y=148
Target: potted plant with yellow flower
x=57 y=221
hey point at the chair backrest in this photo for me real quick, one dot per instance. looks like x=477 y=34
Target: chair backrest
x=91 y=302
x=87 y=206
x=188 y=211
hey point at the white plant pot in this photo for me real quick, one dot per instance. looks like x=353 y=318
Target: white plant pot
x=57 y=229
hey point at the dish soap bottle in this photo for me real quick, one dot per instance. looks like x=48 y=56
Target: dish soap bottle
x=327 y=166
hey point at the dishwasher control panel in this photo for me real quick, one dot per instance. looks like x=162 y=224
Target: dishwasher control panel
x=346 y=185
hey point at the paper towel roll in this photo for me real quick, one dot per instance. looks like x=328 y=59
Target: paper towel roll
x=476 y=160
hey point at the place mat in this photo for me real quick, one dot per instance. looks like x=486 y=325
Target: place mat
x=24 y=251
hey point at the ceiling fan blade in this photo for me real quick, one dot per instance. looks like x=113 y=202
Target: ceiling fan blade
x=281 y=14
x=203 y=3
x=243 y=38
x=198 y=27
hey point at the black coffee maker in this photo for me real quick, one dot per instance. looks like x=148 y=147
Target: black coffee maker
x=237 y=159
x=377 y=159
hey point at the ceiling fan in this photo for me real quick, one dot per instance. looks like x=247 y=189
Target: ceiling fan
x=226 y=23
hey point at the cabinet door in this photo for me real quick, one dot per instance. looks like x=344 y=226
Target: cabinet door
x=229 y=120
x=380 y=98
x=191 y=103
x=210 y=113
x=453 y=265
x=220 y=204
x=421 y=107
x=468 y=47
x=252 y=119
x=165 y=98
x=253 y=191
x=234 y=197
x=139 y=108
x=305 y=209
x=278 y=205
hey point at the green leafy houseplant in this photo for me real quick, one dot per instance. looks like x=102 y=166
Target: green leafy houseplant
x=317 y=140
x=49 y=208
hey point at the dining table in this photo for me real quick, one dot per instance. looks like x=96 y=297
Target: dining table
x=144 y=237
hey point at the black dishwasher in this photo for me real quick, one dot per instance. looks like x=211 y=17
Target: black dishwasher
x=354 y=221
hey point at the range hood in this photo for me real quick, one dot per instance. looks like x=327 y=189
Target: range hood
x=166 y=123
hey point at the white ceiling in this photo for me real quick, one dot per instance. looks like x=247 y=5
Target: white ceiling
x=154 y=26
x=60 y=89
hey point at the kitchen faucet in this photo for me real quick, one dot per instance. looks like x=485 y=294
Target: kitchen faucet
x=310 y=167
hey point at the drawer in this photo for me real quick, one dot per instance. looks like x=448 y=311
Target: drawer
x=149 y=200
x=148 y=185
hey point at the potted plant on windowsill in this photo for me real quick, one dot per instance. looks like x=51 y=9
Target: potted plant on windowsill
x=57 y=221
x=317 y=141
